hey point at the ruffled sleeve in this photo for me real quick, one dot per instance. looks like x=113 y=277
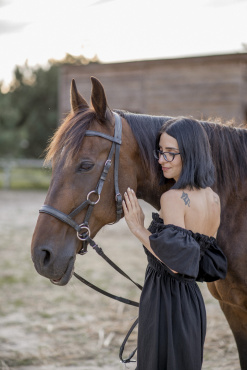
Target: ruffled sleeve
x=213 y=262
x=177 y=249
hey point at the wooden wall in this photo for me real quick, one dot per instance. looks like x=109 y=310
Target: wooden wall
x=202 y=87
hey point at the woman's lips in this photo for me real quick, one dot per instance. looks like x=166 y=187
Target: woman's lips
x=164 y=169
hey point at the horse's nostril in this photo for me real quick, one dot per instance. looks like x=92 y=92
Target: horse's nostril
x=47 y=257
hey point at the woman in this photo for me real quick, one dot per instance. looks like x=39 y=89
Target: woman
x=181 y=249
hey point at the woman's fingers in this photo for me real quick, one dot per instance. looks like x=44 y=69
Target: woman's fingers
x=132 y=211
x=131 y=201
x=127 y=201
x=124 y=207
x=132 y=197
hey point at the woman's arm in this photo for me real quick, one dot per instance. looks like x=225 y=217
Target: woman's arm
x=134 y=217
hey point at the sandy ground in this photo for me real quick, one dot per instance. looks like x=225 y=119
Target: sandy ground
x=45 y=327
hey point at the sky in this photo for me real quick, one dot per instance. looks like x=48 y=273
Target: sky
x=34 y=31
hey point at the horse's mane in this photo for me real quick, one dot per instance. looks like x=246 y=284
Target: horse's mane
x=228 y=145
x=145 y=129
x=229 y=151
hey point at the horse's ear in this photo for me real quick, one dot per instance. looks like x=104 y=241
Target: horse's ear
x=98 y=99
x=76 y=100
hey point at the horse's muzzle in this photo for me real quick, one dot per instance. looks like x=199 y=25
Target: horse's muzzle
x=58 y=267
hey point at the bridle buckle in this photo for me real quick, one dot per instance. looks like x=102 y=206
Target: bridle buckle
x=90 y=201
x=81 y=235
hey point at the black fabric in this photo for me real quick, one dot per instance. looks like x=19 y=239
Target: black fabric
x=172 y=316
x=177 y=249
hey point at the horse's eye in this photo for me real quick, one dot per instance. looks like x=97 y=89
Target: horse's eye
x=85 y=166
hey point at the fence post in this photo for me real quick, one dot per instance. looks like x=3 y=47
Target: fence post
x=7 y=167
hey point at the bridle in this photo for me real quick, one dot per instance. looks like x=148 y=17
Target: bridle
x=83 y=230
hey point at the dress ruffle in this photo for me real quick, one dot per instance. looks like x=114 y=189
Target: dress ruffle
x=191 y=254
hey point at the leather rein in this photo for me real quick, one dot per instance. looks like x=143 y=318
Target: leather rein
x=83 y=230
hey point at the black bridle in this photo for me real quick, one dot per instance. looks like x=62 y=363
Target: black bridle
x=83 y=230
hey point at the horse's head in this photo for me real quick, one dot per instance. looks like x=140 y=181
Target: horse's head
x=84 y=175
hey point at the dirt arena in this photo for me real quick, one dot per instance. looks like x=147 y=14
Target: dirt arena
x=45 y=327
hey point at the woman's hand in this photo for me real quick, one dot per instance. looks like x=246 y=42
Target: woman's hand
x=133 y=213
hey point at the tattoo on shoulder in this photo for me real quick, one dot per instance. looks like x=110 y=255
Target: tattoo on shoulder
x=186 y=199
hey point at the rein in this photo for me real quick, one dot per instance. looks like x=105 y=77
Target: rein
x=83 y=230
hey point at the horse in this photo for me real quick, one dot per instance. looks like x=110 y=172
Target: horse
x=85 y=192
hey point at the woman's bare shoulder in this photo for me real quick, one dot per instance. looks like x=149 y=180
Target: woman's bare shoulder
x=213 y=197
x=172 y=194
x=181 y=197
x=172 y=208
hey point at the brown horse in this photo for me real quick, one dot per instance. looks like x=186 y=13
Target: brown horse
x=79 y=160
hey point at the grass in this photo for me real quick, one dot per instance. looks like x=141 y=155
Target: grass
x=21 y=362
x=12 y=280
x=19 y=303
x=27 y=178
x=45 y=315
x=8 y=280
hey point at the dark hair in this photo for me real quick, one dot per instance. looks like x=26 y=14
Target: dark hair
x=197 y=165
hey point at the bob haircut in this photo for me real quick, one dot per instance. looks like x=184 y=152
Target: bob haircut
x=198 y=170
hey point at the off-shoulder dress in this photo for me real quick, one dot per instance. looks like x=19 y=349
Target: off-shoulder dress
x=172 y=316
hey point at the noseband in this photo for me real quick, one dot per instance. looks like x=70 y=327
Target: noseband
x=83 y=230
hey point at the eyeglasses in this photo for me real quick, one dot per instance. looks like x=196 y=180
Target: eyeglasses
x=168 y=156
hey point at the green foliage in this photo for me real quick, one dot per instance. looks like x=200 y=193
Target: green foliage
x=75 y=60
x=29 y=112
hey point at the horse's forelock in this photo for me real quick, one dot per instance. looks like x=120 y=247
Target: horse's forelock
x=69 y=136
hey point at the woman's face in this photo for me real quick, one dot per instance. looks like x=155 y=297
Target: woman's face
x=171 y=170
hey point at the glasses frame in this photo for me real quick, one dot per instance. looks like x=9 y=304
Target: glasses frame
x=155 y=151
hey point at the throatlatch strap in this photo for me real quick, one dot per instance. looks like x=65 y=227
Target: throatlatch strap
x=118 y=134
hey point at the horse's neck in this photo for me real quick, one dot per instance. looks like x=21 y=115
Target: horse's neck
x=149 y=194
x=145 y=129
x=229 y=151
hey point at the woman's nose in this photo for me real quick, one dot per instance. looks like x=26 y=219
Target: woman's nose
x=161 y=159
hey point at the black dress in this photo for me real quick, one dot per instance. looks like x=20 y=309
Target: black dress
x=172 y=316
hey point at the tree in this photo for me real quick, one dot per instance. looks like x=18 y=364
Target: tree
x=29 y=111
x=75 y=60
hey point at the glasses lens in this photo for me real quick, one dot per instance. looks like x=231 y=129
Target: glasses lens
x=166 y=155
x=169 y=157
